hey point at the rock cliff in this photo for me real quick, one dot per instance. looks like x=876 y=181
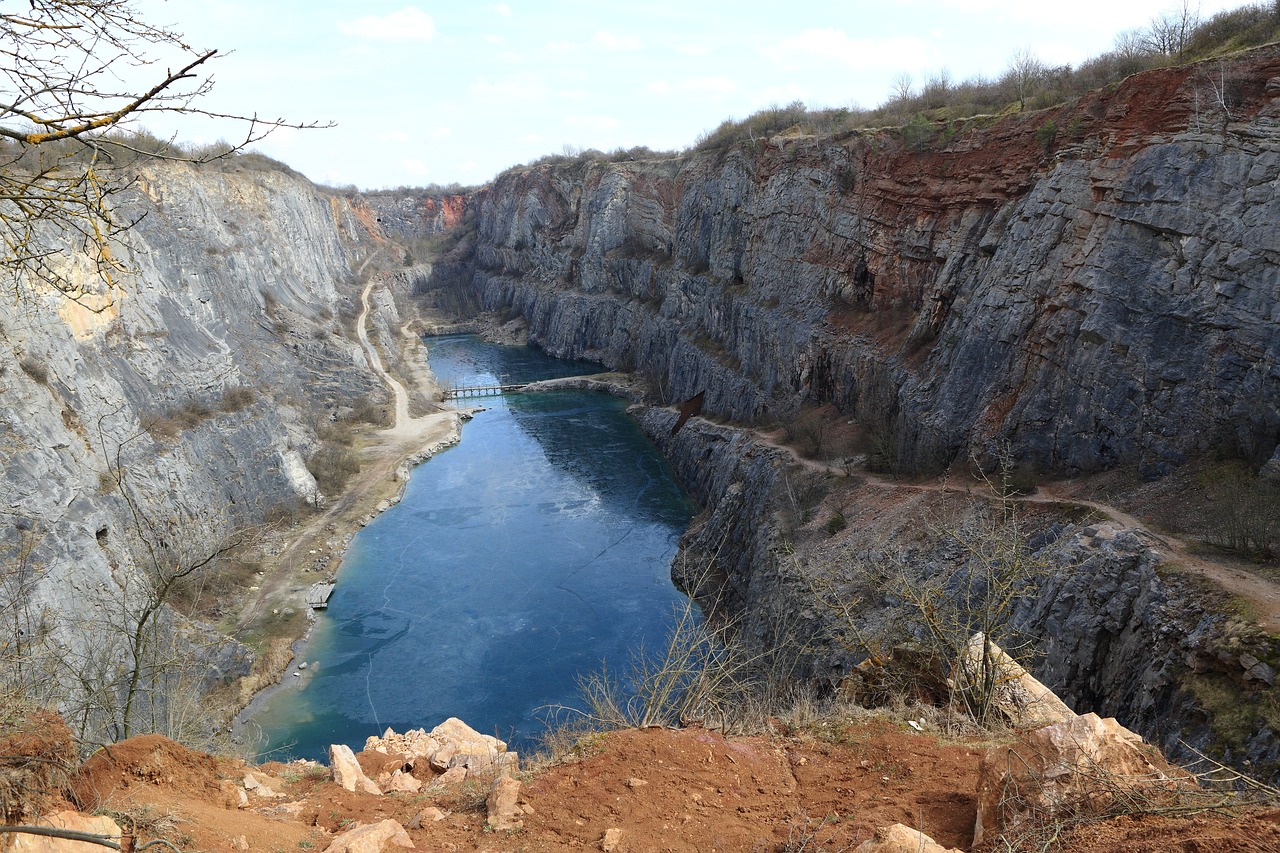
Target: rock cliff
x=1108 y=627
x=1090 y=287
x=1095 y=284
x=170 y=407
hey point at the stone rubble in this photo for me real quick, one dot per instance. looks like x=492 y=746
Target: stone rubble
x=1081 y=766
x=450 y=746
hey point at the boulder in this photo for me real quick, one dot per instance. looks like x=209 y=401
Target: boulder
x=401 y=781
x=463 y=738
x=900 y=838
x=1083 y=765
x=346 y=770
x=612 y=838
x=503 y=804
x=430 y=813
x=449 y=744
x=452 y=776
x=372 y=838
x=263 y=785
x=1019 y=697
x=495 y=764
x=72 y=820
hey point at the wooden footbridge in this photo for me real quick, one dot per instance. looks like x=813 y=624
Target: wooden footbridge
x=482 y=390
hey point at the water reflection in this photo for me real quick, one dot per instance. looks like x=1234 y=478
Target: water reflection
x=517 y=560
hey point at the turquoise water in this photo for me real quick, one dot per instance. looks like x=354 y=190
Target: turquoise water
x=517 y=561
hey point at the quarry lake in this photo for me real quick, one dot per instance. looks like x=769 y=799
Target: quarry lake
x=517 y=561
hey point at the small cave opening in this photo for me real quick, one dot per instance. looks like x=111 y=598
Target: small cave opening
x=101 y=535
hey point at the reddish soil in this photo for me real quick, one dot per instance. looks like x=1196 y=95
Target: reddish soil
x=826 y=788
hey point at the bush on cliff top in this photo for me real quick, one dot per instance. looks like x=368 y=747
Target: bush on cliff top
x=1027 y=83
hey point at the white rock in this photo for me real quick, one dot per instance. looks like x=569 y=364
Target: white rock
x=900 y=838
x=371 y=839
x=346 y=770
x=70 y=819
x=503 y=804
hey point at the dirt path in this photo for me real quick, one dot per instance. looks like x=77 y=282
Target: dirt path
x=1175 y=553
x=386 y=457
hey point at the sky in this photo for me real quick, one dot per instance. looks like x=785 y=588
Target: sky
x=443 y=91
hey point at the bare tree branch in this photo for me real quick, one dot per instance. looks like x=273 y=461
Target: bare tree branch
x=65 y=158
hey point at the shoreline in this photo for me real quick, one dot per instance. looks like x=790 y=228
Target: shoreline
x=319 y=543
x=394 y=453
x=361 y=508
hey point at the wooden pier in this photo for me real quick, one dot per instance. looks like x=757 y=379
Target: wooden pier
x=481 y=390
x=318 y=595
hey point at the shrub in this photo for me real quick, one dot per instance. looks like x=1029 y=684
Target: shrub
x=836 y=523
x=918 y=133
x=167 y=425
x=1047 y=135
x=1244 y=510
x=333 y=466
x=236 y=398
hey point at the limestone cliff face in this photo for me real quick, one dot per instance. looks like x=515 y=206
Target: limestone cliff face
x=1096 y=284
x=412 y=213
x=199 y=378
x=1111 y=630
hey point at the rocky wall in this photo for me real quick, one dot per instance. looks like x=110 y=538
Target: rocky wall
x=1105 y=293
x=1105 y=624
x=192 y=385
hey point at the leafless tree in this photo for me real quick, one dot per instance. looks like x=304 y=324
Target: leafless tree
x=65 y=110
x=165 y=551
x=1025 y=73
x=1169 y=33
x=901 y=87
x=994 y=566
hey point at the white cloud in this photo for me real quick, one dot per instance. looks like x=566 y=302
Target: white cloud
x=571 y=94
x=596 y=123
x=531 y=137
x=409 y=24
x=494 y=38
x=413 y=167
x=393 y=136
x=562 y=48
x=503 y=9
x=835 y=46
x=714 y=86
x=519 y=87
x=609 y=41
x=696 y=50
x=440 y=132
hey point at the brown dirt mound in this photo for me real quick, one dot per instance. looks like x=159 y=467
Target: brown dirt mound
x=824 y=787
x=36 y=755
x=702 y=791
x=148 y=760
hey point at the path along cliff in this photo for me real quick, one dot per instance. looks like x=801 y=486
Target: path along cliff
x=1086 y=288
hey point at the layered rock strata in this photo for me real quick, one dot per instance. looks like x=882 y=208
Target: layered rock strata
x=167 y=407
x=1097 y=284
